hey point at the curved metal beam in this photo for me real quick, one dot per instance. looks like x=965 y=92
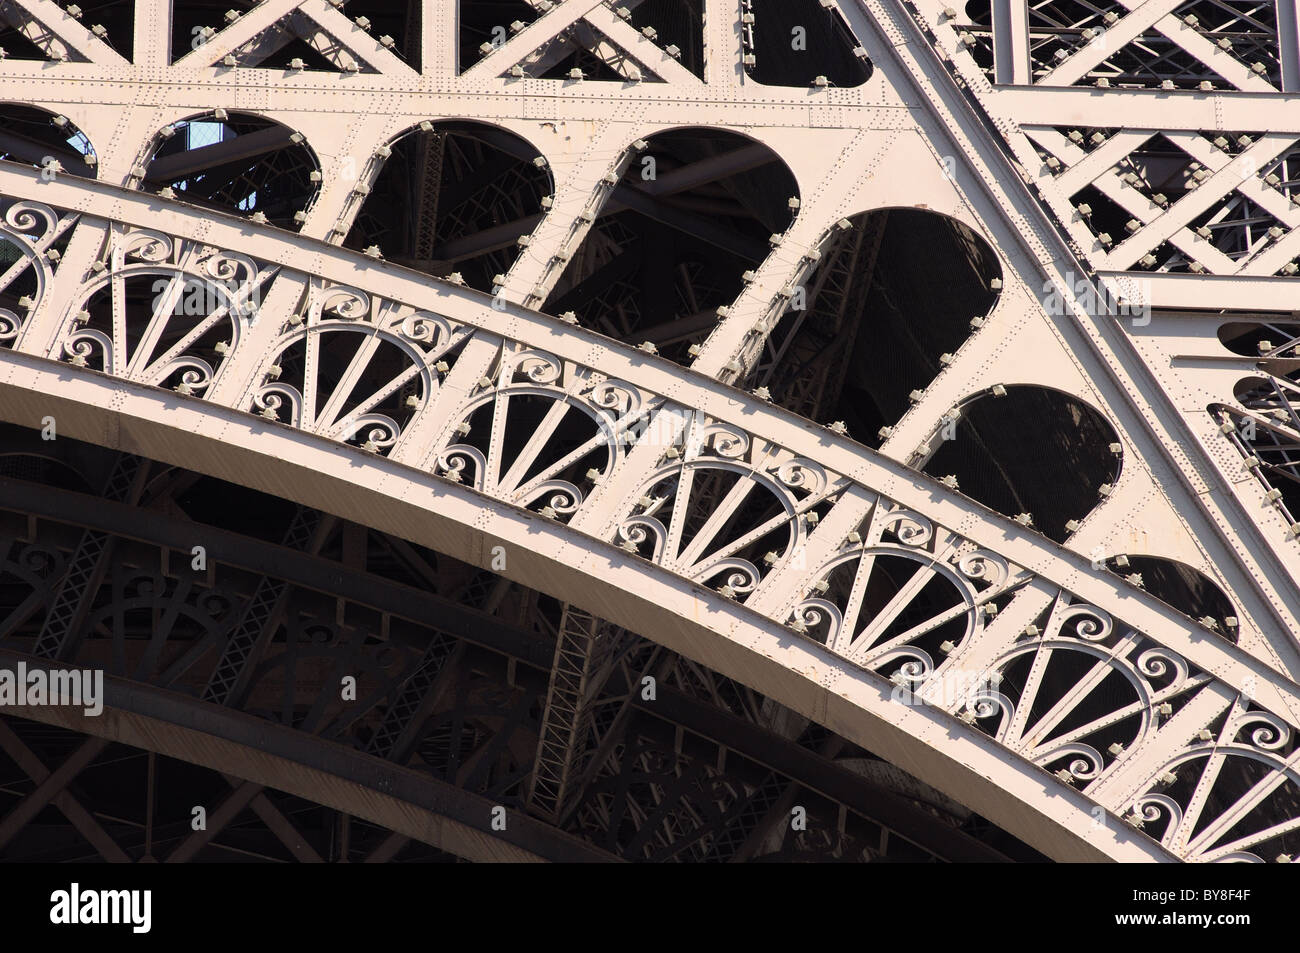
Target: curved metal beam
x=274 y=756
x=803 y=675
x=309 y=571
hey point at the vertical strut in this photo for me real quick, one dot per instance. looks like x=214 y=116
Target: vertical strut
x=86 y=569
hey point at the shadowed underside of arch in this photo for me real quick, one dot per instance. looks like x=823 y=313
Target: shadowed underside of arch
x=713 y=524
x=230 y=674
x=857 y=706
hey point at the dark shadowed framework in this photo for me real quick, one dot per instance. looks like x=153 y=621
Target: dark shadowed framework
x=1058 y=28
x=454 y=662
x=870 y=322
x=236 y=162
x=1263 y=422
x=452 y=666
x=802 y=43
x=1179 y=585
x=454 y=198
x=113 y=17
x=674 y=26
x=1030 y=450
x=39 y=137
x=694 y=211
x=297 y=41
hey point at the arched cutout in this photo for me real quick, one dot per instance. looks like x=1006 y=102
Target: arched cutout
x=1182 y=587
x=868 y=325
x=237 y=162
x=1027 y=449
x=454 y=197
x=794 y=42
x=692 y=213
x=38 y=137
x=1253 y=392
x=1260 y=338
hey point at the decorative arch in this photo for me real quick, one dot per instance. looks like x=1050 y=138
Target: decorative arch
x=355 y=369
x=164 y=313
x=692 y=211
x=50 y=141
x=32 y=236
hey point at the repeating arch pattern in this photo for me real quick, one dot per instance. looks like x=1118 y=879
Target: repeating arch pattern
x=163 y=312
x=900 y=593
x=354 y=367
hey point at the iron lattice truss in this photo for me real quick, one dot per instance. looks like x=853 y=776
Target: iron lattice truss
x=470 y=710
x=884 y=382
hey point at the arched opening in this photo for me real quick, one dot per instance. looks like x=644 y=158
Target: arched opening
x=891 y=293
x=1182 y=587
x=1266 y=426
x=1025 y=449
x=454 y=197
x=40 y=138
x=1263 y=339
x=693 y=211
x=607 y=44
x=793 y=42
x=239 y=163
